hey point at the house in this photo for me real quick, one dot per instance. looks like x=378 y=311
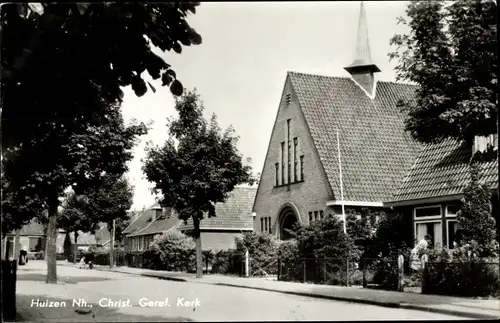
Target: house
x=152 y=221
x=317 y=117
x=85 y=240
x=233 y=218
x=431 y=191
x=32 y=236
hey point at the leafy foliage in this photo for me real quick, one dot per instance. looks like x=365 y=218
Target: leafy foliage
x=86 y=51
x=170 y=251
x=228 y=262
x=451 y=52
x=461 y=272
x=475 y=218
x=262 y=250
x=110 y=201
x=197 y=167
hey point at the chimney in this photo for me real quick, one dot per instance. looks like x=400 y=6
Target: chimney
x=362 y=68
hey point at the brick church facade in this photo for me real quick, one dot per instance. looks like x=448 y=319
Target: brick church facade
x=300 y=181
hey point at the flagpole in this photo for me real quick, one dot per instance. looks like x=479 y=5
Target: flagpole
x=343 y=208
x=341 y=184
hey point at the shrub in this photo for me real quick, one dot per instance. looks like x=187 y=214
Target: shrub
x=461 y=272
x=228 y=262
x=263 y=252
x=172 y=250
x=475 y=219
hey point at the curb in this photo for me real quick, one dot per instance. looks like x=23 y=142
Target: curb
x=335 y=298
x=145 y=275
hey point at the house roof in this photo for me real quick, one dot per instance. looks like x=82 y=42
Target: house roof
x=142 y=220
x=84 y=238
x=443 y=169
x=375 y=151
x=34 y=228
x=103 y=235
x=234 y=214
x=158 y=226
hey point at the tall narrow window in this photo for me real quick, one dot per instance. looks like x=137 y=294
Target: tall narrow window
x=282 y=163
x=321 y=214
x=316 y=217
x=288 y=122
x=302 y=167
x=295 y=144
x=277 y=166
x=261 y=224
x=265 y=224
x=269 y=224
x=310 y=217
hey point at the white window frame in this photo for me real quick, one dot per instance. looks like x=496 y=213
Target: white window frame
x=448 y=215
x=435 y=220
x=427 y=217
x=448 y=230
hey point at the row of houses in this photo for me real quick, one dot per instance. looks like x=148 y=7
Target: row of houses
x=33 y=237
x=339 y=141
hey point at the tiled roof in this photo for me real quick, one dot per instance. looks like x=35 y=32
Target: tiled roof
x=375 y=150
x=84 y=238
x=34 y=228
x=158 y=226
x=234 y=214
x=141 y=221
x=442 y=169
x=103 y=235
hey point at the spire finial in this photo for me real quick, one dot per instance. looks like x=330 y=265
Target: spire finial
x=362 y=68
x=362 y=55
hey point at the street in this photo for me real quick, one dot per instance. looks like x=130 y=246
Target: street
x=95 y=296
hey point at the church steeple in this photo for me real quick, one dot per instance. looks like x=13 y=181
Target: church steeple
x=362 y=68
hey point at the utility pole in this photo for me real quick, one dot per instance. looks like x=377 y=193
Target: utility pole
x=343 y=208
x=112 y=247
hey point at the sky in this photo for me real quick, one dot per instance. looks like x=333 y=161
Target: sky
x=240 y=68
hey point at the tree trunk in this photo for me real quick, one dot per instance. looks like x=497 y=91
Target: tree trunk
x=45 y=228
x=17 y=245
x=51 y=244
x=199 y=257
x=112 y=247
x=75 y=247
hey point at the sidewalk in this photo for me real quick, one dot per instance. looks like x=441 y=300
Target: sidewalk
x=465 y=307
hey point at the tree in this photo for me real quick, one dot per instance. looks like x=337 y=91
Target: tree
x=69 y=158
x=361 y=229
x=451 y=53
x=475 y=220
x=73 y=218
x=87 y=51
x=197 y=167
x=108 y=203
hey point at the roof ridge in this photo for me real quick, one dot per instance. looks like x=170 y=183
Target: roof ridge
x=139 y=216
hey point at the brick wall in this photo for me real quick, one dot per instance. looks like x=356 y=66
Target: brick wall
x=219 y=240
x=310 y=195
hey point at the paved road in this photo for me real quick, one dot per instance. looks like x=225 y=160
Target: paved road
x=208 y=302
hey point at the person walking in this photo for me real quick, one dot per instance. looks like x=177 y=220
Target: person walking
x=23 y=256
x=417 y=252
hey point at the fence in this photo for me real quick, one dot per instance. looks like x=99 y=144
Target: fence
x=468 y=279
x=103 y=259
x=331 y=271
x=9 y=278
x=384 y=273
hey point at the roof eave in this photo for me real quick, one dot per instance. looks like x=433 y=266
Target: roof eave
x=425 y=200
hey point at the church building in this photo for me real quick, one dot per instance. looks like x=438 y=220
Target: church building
x=326 y=126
